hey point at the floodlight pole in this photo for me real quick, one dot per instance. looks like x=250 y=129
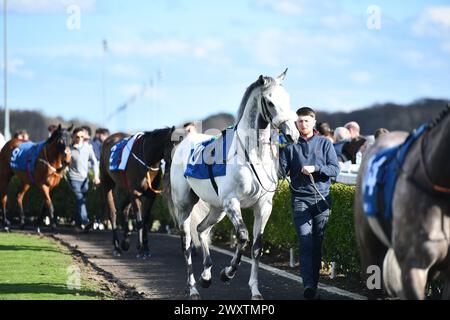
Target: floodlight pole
x=5 y=70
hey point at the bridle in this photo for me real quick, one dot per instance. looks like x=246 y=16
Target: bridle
x=149 y=168
x=53 y=171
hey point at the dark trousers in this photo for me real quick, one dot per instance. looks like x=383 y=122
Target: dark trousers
x=310 y=218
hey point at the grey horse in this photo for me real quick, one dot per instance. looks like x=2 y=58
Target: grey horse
x=412 y=248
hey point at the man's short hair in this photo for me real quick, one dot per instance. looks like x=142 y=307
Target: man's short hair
x=20 y=132
x=353 y=125
x=187 y=124
x=380 y=131
x=341 y=133
x=306 y=111
x=102 y=131
x=76 y=130
x=88 y=130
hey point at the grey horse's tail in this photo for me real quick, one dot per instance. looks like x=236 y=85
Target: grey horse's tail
x=199 y=212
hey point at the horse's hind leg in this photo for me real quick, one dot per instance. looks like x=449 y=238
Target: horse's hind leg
x=204 y=229
x=262 y=213
x=126 y=209
x=233 y=210
x=108 y=193
x=4 y=182
x=20 y=195
x=4 y=199
x=148 y=209
x=137 y=205
x=184 y=200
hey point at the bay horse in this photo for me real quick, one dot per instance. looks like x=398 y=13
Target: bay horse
x=50 y=166
x=412 y=248
x=140 y=178
x=250 y=180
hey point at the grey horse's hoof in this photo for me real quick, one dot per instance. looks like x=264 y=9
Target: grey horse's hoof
x=194 y=296
x=117 y=252
x=204 y=283
x=224 y=277
x=257 y=297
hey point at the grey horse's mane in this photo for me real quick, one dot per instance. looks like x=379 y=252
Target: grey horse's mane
x=267 y=83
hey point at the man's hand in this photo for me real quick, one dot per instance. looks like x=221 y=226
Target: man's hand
x=96 y=181
x=307 y=170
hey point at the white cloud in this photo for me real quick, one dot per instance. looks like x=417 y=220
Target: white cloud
x=434 y=21
x=45 y=6
x=289 y=7
x=16 y=67
x=274 y=46
x=212 y=51
x=361 y=77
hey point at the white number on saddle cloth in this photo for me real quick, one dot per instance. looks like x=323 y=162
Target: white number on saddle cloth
x=111 y=156
x=16 y=154
x=371 y=179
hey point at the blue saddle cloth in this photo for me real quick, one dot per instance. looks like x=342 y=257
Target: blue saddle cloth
x=116 y=154
x=381 y=176
x=210 y=156
x=23 y=158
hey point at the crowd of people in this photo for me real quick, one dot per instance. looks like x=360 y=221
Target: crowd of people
x=347 y=140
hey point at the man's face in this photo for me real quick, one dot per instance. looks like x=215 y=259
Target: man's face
x=78 y=137
x=305 y=124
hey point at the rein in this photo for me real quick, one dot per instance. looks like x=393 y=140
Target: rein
x=311 y=178
x=54 y=171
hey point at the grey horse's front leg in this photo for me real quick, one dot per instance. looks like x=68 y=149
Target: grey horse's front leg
x=262 y=213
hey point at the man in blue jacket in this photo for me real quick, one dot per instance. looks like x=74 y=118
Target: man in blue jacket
x=311 y=163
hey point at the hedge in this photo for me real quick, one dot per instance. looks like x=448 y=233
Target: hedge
x=339 y=243
x=65 y=206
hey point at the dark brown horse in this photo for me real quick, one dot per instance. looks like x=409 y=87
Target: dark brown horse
x=140 y=178
x=49 y=167
x=416 y=249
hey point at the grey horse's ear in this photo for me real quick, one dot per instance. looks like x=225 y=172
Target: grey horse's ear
x=261 y=80
x=282 y=76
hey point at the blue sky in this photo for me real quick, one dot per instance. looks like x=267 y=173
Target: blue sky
x=179 y=60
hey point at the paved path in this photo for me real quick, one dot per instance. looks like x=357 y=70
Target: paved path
x=163 y=275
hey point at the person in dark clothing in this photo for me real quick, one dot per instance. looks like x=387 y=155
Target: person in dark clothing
x=311 y=163
x=351 y=148
x=341 y=137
